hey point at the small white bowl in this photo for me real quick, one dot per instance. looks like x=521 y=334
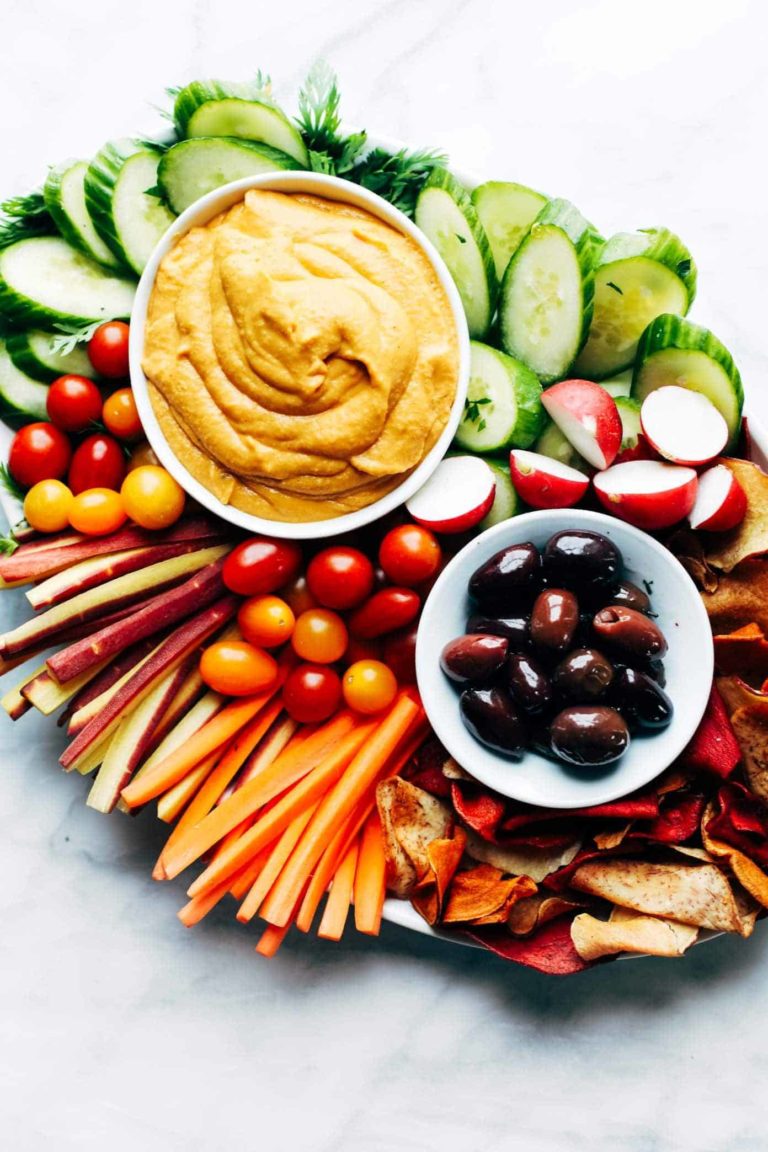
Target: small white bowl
x=688 y=665
x=201 y=212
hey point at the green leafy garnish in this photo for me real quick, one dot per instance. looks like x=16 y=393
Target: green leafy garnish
x=610 y=284
x=72 y=335
x=684 y=267
x=8 y=545
x=398 y=177
x=9 y=485
x=472 y=411
x=24 y=216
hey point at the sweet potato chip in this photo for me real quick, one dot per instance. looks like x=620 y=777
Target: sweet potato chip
x=749 y=721
x=713 y=747
x=483 y=896
x=531 y=913
x=742 y=653
x=740 y=597
x=750 y=538
x=593 y=938
x=444 y=857
x=747 y=872
x=549 y=950
x=613 y=838
x=411 y=819
x=534 y=862
x=698 y=895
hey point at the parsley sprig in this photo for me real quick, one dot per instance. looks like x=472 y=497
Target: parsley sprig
x=24 y=216
x=473 y=413
x=70 y=335
x=9 y=485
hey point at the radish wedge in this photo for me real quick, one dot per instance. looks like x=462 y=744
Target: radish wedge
x=721 y=502
x=647 y=493
x=456 y=497
x=683 y=426
x=545 y=483
x=587 y=416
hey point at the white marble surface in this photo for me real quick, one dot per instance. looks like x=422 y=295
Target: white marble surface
x=121 y=1030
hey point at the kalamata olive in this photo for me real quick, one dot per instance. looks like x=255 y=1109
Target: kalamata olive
x=640 y=700
x=508 y=578
x=554 y=619
x=585 y=561
x=528 y=683
x=475 y=657
x=626 y=630
x=591 y=734
x=493 y=719
x=515 y=628
x=630 y=596
x=583 y=676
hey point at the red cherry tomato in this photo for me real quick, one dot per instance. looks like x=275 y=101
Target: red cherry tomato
x=320 y=636
x=298 y=596
x=108 y=349
x=236 y=668
x=358 y=649
x=400 y=654
x=311 y=693
x=410 y=554
x=369 y=686
x=39 y=452
x=386 y=610
x=73 y=403
x=340 y=577
x=97 y=463
x=261 y=565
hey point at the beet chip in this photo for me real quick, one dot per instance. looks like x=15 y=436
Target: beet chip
x=677 y=822
x=742 y=821
x=479 y=809
x=713 y=747
x=549 y=950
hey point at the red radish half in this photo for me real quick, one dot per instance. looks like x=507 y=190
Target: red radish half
x=545 y=483
x=721 y=502
x=683 y=426
x=588 y=417
x=647 y=493
x=456 y=497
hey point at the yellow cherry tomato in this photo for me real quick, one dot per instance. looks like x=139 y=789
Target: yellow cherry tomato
x=369 y=686
x=320 y=636
x=142 y=454
x=121 y=416
x=46 y=506
x=97 y=512
x=152 y=497
x=266 y=621
x=236 y=668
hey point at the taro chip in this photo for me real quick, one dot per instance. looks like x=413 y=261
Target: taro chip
x=534 y=862
x=742 y=653
x=483 y=896
x=750 y=538
x=444 y=858
x=749 y=721
x=549 y=950
x=630 y=932
x=740 y=596
x=751 y=877
x=533 y=912
x=613 y=838
x=713 y=746
x=411 y=819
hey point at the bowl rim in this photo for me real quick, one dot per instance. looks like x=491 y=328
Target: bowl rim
x=428 y=673
x=201 y=212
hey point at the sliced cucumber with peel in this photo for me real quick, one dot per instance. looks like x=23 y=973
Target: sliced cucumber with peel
x=503 y=407
x=553 y=443
x=641 y=275
x=192 y=168
x=629 y=411
x=33 y=352
x=546 y=295
x=64 y=195
x=618 y=385
x=214 y=108
x=506 y=212
x=447 y=216
x=128 y=220
x=22 y=399
x=674 y=351
x=44 y=281
x=506 y=502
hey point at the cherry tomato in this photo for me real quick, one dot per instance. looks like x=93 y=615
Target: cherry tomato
x=108 y=349
x=97 y=512
x=266 y=621
x=261 y=565
x=142 y=454
x=298 y=596
x=400 y=654
x=410 y=554
x=340 y=577
x=369 y=686
x=320 y=636
x=152 y=498
x=73 y=403
x=38 y=452
x=46 y=506
x=97 y=463
x=386 y=610
x=311 y=693
x=236 y=668
x=121 y=416
x=358 y=649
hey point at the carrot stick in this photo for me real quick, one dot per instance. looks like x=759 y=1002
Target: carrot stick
x=194 y=911
x=273 y=866
x=293 y=737
x=271 y=939
x=314 y=785
x=370 y=878
x=245 y=880
x=291 y=765
x=172 y=802
x=337 y=905
x=366 y=767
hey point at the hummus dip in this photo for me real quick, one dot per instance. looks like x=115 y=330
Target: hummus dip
x=301 y=356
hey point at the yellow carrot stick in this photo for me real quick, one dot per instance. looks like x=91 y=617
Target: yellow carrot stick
x=272 y=866
x=336 y=909
x=172 y=802
x=370 y=878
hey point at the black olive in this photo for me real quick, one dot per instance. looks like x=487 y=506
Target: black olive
x=630 y=596
x=508 y=579
x=583 y=676
x=554 y=619
x=589 y=735
x=640 y=700
x=493 y=719
x=514 y=628
x=528 y=683
x=625 y=630
x=474 y=657
x=585 y=561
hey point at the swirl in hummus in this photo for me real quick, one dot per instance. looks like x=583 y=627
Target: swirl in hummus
x=301 y=356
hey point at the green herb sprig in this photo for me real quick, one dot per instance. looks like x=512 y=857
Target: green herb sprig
x=9 y=485
x=71 y=335
x=24 y=216
x=472 y=412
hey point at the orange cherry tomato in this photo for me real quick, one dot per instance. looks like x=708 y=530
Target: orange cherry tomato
x=120 y=415
x=236 y=668
x=369 y=686
x=142 y=454
x=46 y=506
x=298 y=596
x=410 y=554
x=311 y=693
x=97 y=512
x=320 y=636
x=152 y=497
x=266 y=621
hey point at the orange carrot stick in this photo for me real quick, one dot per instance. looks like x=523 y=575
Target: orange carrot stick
x=172 y=802
x=370 y=878
x=271 y=939
x=245 y=880
x=271 y=870
x=365 y=769
x=337 y=905
x=194 y=911
x=291 y=765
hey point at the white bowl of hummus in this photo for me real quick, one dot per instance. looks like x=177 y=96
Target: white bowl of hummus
x=299 y=354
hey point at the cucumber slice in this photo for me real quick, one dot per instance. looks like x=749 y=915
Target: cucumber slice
x=503 y=407
x=128 y=220
x=43 y=280
x=629 y=411
x=506 y=212
x=446 y=215
x=22 y=399
x=64 y=195
x=213 y=108
x=552 y=443
x=506 y=502
x=674 y=351
x=619 y=385
x=641 y=275
x=32 y=353
x=547 y=291
x=192 y=168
